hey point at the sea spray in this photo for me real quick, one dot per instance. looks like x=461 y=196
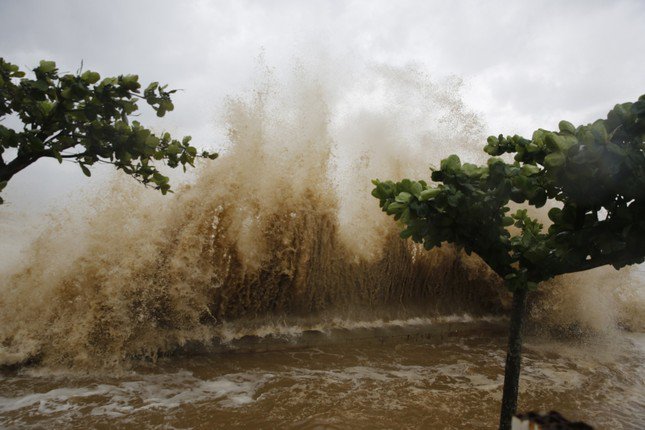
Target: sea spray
x=282 y=225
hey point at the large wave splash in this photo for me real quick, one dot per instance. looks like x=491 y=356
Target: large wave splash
x=281 y=225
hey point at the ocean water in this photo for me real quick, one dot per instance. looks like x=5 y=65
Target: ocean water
x=271 y=292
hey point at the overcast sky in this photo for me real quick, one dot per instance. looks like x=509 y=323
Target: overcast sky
x=525 y=64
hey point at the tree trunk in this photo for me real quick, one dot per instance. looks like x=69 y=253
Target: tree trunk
x=513 y=360
x=16 y=165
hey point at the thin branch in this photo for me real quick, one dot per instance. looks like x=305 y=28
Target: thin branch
x=105 y=162
x=50 y=153
x=80 y=154
x=620 y=258
x=51 y=138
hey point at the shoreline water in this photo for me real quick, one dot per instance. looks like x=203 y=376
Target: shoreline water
x=411 y=379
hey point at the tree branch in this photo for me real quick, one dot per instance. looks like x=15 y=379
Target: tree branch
x=53 y=137
x=20 y=162
x=15 y=166
x=50 y=153
x=620 y=258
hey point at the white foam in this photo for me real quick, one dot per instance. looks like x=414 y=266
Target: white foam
x=150 y=392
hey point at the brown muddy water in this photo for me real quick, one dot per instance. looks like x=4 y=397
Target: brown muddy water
x=414 y=374
x=271 y=292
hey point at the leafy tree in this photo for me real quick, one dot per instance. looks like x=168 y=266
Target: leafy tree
x=84 y=119
x=593 y=176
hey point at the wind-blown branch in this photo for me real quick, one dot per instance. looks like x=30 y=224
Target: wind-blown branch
x=61 y=112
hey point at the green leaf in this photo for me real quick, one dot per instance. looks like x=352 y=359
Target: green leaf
x=555 y=159
x=151 y=141
x=404 y=234
x=47 y=66
x=492 y=146
x=85 y=170
x=416 y=189
x=638 y=108
x=173 y=149
x=46 y=106
x=451 y=164
x=130 y=82
x=507 y=221
x=559 y=142
x=599 y=131
x=429 y=194
x=615 y=149
x=529 y=170
x=455 y=199
x=57 y=156
x=109 y=81
x=564 y=143
x=566 y=127
x=395 y=207
x=403 y=197
x=167 y=105
x=40 y=85
x=90 y=77
x=471 y=170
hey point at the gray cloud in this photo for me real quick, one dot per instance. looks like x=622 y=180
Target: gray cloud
x=526 y=64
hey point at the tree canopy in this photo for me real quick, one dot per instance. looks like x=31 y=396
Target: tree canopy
x=85 y=119
x=593 y=175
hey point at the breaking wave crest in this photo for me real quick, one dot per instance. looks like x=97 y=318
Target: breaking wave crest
x=281 y=226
